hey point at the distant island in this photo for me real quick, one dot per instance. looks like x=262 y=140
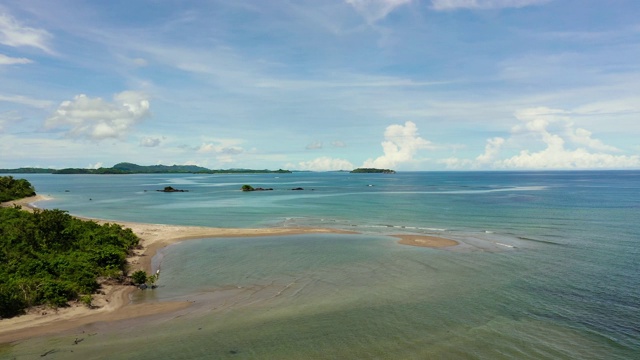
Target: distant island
x=373 y=171
x=129 y=168
x=171 y=189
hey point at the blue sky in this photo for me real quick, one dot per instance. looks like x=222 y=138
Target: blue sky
x=321 y=85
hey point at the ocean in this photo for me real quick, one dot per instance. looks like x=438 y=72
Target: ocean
x=548 y=266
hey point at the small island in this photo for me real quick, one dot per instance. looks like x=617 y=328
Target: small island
x=251 y=188
x=171 y=189
x=372 y=171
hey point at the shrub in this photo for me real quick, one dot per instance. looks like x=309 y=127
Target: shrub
x=139 y=277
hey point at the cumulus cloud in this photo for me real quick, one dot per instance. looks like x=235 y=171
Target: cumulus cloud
x=569 y=148
x=323 y=163
x=149 y=142
x=491 y=150
x=374 y=10
x=583 y=137
x=445 y=5
x=13 y=33
x=564 y=146
x=542 y=121
x=400 y=146
x=6 y=60
x=560 y=158
x=314 y=145
x=97 y=119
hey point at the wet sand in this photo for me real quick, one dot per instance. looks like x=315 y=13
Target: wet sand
x=114 y=302
x=425 y=241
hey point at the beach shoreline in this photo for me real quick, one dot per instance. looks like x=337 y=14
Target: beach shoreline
x=113 y=303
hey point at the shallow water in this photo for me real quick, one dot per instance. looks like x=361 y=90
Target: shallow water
x=548 y=267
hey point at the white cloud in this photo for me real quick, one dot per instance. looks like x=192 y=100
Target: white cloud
x=454 y=163
x=23 y=100
x=97 y=119
x=483 y=4
x=14 y=34
x=314 y=145
x=224 y=150
x=97 y=165
x=149 y=142
x=556 y=155
x=323 y=163
x=140 y=62
x=400 y=145
x=583 y=137
x=222 y=146
x=338 y=144
x=133 y=62
x=564 y=147
x=6 y=60
x=374 y=10
x=9 y=117
x=491 y=150
x=539 y=120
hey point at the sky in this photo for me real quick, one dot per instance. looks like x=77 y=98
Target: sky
x=409 y=85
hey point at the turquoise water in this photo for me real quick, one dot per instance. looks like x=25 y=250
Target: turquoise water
x=548 y=266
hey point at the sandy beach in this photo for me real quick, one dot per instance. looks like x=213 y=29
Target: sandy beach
x=113 y=303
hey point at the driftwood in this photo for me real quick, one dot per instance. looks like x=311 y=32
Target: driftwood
x=48 y=352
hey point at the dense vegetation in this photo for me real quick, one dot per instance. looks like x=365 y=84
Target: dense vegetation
x=373 y=171
x=141 y=169
x=12 y=189
x=245 y=171
x=27 y=170
x=91 y=171
x=129 y=168
x=49 y=258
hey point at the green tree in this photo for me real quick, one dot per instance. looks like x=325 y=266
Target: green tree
x=139 y=277
x=247 y=188
x=12 y=189
x=151 y=279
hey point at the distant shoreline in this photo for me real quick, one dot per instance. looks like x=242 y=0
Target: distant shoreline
x=115 y=305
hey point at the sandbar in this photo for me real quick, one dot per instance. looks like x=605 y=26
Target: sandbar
x=425 y=241
x=113 y=303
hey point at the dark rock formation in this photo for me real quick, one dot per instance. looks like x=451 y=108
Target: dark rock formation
x=171 y=189
x=251 y=188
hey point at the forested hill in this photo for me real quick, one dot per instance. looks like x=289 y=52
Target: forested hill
x=140 y=169
x=373 y=171
x=130 y=168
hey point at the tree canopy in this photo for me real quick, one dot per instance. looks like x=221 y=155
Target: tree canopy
x=12 y=189
x=49 y=257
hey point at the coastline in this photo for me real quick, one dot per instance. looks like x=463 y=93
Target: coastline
x=114 y=302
